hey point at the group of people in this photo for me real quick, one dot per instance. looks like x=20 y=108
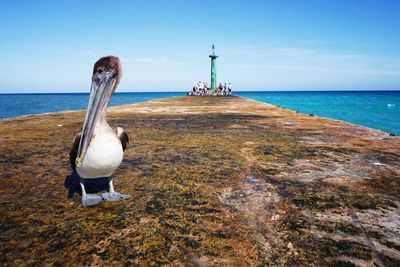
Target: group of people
x=201 y=88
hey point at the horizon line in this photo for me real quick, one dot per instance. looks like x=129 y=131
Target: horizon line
x=238 y=91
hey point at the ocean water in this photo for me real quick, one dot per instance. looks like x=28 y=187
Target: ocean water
x=13 y=105
x=375 y=109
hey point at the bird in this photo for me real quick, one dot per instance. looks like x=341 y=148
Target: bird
x=97 y=151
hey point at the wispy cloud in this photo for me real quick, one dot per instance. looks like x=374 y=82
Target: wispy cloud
x=316 y=69
x=79 y=53
x=249 y=47
x=303 y=58
x=152 y=60
x=155 y=61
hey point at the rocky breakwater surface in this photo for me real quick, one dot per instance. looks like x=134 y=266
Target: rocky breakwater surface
x=214 y=181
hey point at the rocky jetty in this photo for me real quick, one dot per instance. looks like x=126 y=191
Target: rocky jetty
x=214 y=181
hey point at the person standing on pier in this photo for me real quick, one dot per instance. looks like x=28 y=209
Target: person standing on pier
x=201 y=88
x=220 y=87
x=229 y=88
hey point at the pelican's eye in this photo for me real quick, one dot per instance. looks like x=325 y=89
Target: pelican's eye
x=99 y=71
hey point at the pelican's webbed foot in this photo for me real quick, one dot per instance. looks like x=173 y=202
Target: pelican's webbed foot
x=114 y=196
x=89 y=199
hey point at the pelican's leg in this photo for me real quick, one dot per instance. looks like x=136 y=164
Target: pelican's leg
x=89 y=199
x=112 y=195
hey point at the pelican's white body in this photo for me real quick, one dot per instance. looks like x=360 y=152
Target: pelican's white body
x=103 y=155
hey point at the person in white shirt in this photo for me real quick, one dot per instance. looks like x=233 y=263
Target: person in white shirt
x=201 y=87
x=229 y=88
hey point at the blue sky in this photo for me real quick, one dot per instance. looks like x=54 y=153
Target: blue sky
x=51 y=46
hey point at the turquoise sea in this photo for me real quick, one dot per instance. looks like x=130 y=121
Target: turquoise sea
x=375 y=109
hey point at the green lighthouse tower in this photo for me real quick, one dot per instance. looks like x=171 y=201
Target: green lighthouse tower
x=213 y=57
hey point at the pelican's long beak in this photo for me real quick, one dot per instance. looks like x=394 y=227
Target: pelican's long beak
x=102 y=87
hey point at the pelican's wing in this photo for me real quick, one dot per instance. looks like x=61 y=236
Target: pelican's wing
x=123 y=137
x=74 y=150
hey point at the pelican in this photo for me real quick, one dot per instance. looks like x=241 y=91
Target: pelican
x=97 y=151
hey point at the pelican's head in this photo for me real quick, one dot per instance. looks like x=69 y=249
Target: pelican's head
x=107 y=67
x=107 y=72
